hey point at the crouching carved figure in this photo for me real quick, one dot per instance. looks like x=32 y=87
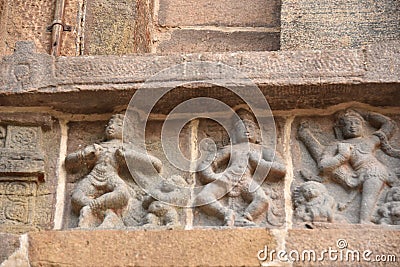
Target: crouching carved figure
x=313 y=203
x=389 y=212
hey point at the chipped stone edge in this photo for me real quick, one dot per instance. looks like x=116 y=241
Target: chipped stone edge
x=20 y=257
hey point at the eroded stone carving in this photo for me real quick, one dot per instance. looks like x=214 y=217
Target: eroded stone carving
x=239 y=178
x=22 y=170
x=389 y=211
x=160 y=213
x=351 y=159
x=108 y=196
x=101 y=196
x=313 y=203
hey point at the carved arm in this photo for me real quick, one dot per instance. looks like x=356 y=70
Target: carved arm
x=86 y=156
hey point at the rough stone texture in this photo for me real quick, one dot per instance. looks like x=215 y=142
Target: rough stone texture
x=69 y=39
x=117 y=28
x=237 y=247
x=322 y=128
x=289 y=80
x=273 y=188
x=219 y=13
x=33 y=178
x=82 y=134
x=9 y=244
x=380 y=242
x=192 y=41
x=310 y=24
x=25 y=20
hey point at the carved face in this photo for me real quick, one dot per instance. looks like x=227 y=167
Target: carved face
x=352 y=127
x=114 y=129
x=311 y=191
x=245 y=132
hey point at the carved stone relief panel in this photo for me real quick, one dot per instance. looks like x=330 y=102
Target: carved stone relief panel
x=104 y=193
x=29 y=148
x=241 y=206
x=346 y=168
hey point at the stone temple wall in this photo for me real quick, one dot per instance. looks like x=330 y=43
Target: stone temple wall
x=71 y=190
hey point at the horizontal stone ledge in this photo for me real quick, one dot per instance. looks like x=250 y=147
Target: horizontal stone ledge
x=100 y=83
x=209 y=247
x=346 y=243
x=108 y=100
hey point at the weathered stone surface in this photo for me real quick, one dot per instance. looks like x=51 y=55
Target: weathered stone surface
x=25 y=20
x=219 y=13
x=117 y=28
x=9 y=244
x=274 y=215
x=301 y=79
x=70 y=46
x=310 y=24
x=227 y=247
x=134 y=214
x=110 y=27
x=380 y=242
x=192 y=41
x=346 y=182
x=25 y=70
x=28 y=172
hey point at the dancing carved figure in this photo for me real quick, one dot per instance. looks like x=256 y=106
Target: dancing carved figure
x=313 y=203
x=101 y=196
x=389 y=212
x=244 y=156
x=351 y=160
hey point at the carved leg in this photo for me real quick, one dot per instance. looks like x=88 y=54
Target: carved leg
x=151 y=220
x=111 y=220
x=259 y=203
x=213 y=207
x=171 y=218
x=88 y=219
x=372 y=188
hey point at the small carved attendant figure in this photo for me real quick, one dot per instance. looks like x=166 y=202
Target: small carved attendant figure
x=314 y=204
x=101 y=196
x=161 y=213
x=351 y=161
x=238 y=179
x=389 y=212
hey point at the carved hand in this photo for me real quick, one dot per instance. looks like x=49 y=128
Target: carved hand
x=345 y=149
x=95 y=205
x=91 y=152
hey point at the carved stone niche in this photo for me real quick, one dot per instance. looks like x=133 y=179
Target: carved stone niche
x=346 y=169
x=238 y=208
x=28 y=143
x=103 y=192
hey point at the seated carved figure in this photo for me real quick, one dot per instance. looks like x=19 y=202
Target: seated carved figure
x=101 y=196
x=244 y=156
x=389 y=212
x=351 y=161
x=313 y=203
